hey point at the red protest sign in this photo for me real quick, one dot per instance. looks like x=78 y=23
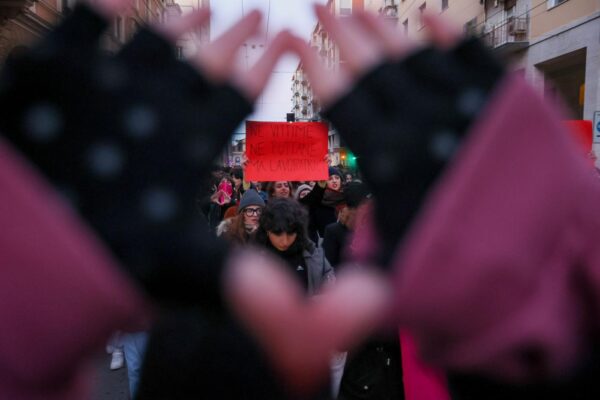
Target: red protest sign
x=286 y=151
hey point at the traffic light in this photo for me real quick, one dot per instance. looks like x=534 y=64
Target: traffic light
x=343 y=157
x=351 y=161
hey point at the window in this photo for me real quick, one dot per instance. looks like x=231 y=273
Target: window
x=444 y=4
x=554 y=3
x=346 y=7
x=422 y=8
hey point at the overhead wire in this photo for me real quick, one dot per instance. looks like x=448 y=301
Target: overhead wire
x=268 y=19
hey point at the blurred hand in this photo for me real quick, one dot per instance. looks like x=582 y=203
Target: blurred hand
x=216 y=60
x=273 y=307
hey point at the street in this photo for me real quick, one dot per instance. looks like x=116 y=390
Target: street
x=109 y=385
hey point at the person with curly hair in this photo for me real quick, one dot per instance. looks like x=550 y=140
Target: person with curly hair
x=283 y=230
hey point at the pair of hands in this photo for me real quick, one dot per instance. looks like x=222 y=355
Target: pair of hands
x=262 y=296
x=259 y=292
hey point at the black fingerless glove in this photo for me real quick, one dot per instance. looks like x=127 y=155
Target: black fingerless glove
x=128 y=139
x=405 y=120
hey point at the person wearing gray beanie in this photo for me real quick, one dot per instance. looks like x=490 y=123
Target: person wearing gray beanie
x=241 y=228
x=302 y=191
x=250 y=198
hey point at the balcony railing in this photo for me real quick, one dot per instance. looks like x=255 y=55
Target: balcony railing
x=510 y=35
x=389 y=11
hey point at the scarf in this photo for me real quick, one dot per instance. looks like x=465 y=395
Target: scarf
x=332 y=198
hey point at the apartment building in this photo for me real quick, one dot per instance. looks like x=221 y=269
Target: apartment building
x=191 y=42
x=554 y=43
x=305 y=106
x=22 y=21
x=141 y=12
x=563 y=56
x=406 y=14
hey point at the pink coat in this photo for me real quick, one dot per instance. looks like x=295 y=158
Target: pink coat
x=62 y=293
x=500 y=273
x=493 y=276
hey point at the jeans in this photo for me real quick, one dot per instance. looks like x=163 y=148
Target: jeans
x=134 y=346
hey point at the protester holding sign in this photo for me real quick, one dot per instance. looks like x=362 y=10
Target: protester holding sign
x=324 y=202
x=279 y=189
x=278 y=151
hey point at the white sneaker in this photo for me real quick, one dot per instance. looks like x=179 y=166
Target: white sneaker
x=118 y=360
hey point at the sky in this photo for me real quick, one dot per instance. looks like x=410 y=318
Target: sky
x=296 y=15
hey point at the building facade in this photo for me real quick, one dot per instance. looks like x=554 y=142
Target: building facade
x=22 y=22
x=305 y=106
x=554 y=43
x=141 y=12
x=191 y=42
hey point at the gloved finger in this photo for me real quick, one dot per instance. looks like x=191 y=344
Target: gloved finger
x=359 y=51
x=393 y=44
x=252 y=82
x=441 y=31
x=216 y=59
x=327 y=85
x=174 y=29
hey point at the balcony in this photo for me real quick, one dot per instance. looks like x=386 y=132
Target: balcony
x=389 y=12
x=509 y=36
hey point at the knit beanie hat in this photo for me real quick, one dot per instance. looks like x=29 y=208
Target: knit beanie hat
x=335 y=171
x=355 y=193
x=250 y=198
x=300 y=189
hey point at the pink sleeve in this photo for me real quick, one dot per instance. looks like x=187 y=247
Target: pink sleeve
x=62 y=293
x=421 y=381
x=485 y=279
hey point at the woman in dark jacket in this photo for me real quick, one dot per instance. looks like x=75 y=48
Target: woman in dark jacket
x=324 y=202
x=282 y=230
x=337 y=234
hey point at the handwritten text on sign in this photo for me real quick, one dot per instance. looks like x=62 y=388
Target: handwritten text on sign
x=284 y=151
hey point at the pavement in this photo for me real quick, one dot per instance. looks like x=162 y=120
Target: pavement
x=109 y=385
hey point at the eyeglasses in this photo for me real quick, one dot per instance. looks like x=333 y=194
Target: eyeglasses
x=252 y=211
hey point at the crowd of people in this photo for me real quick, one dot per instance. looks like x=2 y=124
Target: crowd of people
x=306 y=225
